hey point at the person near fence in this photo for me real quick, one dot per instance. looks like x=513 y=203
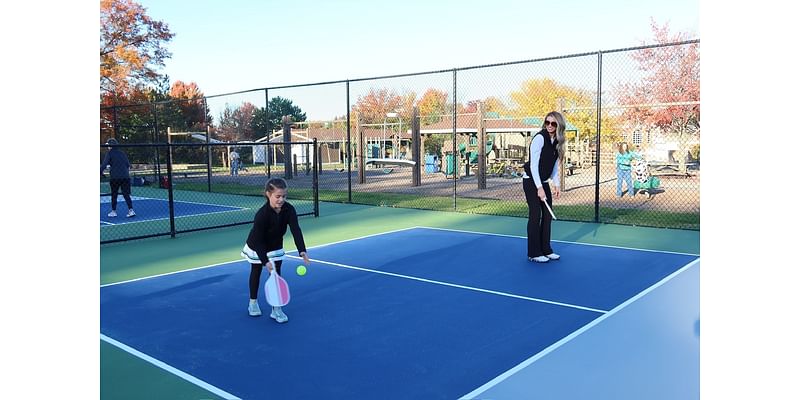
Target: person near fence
x=541 y=184
x=234 y=163
x=624 y=159
x=119 y=177
x=266 y=235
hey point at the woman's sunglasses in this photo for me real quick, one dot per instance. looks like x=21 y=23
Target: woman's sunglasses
x=554 y=124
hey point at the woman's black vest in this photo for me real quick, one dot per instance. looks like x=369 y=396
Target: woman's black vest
x=547 y=158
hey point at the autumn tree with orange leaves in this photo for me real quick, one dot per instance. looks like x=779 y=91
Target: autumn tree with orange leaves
x=373 y=107
x=191 y=105
x=433 y=105
x=131 y=47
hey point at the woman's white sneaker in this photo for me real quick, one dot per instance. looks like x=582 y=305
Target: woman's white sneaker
x=540 y=259
x=553 y=256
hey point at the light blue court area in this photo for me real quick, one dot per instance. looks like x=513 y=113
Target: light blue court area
x=427 y=314
x=148 y=209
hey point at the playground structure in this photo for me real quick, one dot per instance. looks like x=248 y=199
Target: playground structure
x=488 y=146
x=480 y=144
x=506 y=141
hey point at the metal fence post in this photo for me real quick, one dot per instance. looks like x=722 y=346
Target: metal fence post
x=287 y=146
x=349 y=150
x=170 y=181
x=597 y=142
x=455 y=164
x=315 y=178
x=208 y=143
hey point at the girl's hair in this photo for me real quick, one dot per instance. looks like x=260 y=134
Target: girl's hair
x=619 y=147
x=559 y=131
x=275 y=183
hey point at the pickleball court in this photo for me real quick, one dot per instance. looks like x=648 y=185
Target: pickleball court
x=418 y=313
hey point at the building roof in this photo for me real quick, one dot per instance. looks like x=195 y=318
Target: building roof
x=468 y=123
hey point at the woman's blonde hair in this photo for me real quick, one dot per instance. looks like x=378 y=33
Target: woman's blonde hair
x=559 y=131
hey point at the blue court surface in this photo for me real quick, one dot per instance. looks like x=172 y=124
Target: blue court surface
x=419 y=313
x=154 y=209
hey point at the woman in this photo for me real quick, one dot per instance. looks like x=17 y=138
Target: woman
x=624 y=158
x=546 y=153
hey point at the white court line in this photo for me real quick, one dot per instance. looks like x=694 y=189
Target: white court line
x=207 y=386
x=239 y=259
x=242 y=259
x=560 y=241
x=376 y=272
x=457 y=286
x=167 y=201
x=170 y=273
x=184 y=216
x=120 y=198
x=179 y=201
x=573 y=335
x=379 y=234
x=361 y=237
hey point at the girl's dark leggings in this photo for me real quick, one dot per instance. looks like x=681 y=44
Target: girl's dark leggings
x=255 y=276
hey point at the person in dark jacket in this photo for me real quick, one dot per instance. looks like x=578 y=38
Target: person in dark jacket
x=119 y=178
x=266 y=237
x=541 y=171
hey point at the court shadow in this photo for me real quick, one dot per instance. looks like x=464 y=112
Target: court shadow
x=190 y=285
x=697 y=328
x=582 y=231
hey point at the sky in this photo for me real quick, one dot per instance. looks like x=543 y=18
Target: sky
x=239 y=45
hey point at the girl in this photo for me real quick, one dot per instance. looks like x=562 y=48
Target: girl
x=546 y=153
x=266 y=235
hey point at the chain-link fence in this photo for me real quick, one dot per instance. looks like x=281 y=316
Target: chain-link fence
x=183 y=187
x=456 y=140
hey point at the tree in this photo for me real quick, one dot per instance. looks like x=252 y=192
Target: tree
x=373 y=107
x=433 y=105
x=537 y=97
x=278 y=107
x=665 y=96
x=192 y=108
x=490 y=104
x=135 y=120
x=434 y=144
x=131 y=46
x=235 y=124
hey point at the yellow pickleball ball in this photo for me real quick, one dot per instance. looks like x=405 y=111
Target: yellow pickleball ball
x=301 y=270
